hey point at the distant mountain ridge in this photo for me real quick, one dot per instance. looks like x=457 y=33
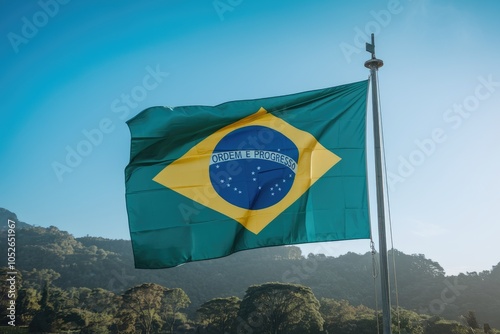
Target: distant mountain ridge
x=5 y=215
x=96 y=262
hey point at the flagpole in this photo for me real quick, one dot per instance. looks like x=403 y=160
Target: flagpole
x=374 y=64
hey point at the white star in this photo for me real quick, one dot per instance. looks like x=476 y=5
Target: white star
x=221 y=181
x=253 y=173
x=279 y=149
x=217 y=166
x=271 y=189
x=272 y=194
x=255 y=179
x=258 y=167
x=228 y=185
x=239 y=192
x=230 y=178
x=235 y=188
x=290 y=175
x=276 y=185
x=279 y=189
x=260 y=187
x=284 y=180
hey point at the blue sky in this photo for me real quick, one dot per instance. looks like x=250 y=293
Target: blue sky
x=72 y=72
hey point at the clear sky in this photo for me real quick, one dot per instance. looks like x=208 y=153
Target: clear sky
x=72 y=72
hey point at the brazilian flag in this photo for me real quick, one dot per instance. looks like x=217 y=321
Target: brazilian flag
x=204 y=182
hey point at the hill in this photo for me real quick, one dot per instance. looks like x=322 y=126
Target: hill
x=6 y=215
x=91 y=262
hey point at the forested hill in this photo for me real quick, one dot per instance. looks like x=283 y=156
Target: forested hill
x=49 y=254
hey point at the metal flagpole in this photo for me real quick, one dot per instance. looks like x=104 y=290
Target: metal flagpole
x=374 y=64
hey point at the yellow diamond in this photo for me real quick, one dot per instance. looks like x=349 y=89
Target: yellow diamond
x=313 y=162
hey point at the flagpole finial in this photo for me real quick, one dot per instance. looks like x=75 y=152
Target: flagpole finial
x=373 y=63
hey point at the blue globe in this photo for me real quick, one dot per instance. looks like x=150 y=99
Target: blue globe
x=253 y=167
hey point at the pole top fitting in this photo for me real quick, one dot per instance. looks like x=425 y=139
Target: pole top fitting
x=373 y=63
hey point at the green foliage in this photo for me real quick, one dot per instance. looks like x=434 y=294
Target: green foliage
x=407 y=321
x=153 y=307
x=337 y=311
x=36 y=279
x=174 y=300
x=43 y=321
x=27 y=304
x=53 y=300
x=48 y=253
x=218 y=315
x=342 y=317
x=94 y=300
x=440 y=326
x=81 y=309
x=86 y=274
x=144 y=302
x=278 y=308
x=13 y=330
x=84 y=321
x=98 y=306
x=470 y=319
x=54 y=255
x=125 y=322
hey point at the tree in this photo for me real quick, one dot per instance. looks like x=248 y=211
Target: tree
x=44 y=320
x=409 y=322
x=336 y=311
x=470 y=319
x=173 y=301
x=28 y=304
x=342 y=317
x=144 y=302
x=84 y=321
x=97 y=307
x=336 y=314
x=95 y=300
x=278 y=308
x=218 y=315
x=124 y=323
